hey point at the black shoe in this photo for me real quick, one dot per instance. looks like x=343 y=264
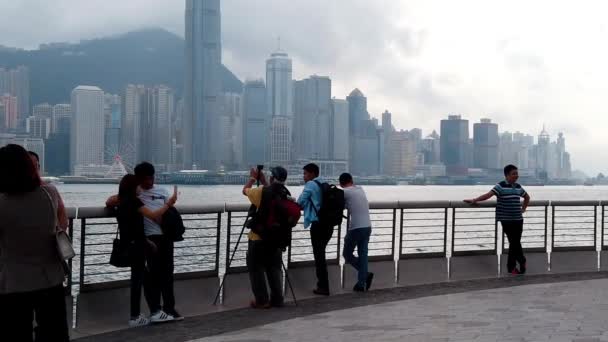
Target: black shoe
x=522 y=268
x=368 y=282
x=176 y=316
x=321 y=292
x=358 y=288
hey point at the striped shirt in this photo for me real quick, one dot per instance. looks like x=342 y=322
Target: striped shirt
x=508 y=207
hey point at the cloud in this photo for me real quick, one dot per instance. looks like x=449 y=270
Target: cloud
x=420 y=59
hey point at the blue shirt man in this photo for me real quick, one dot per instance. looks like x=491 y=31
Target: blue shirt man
x=320 y=233
x=310 y=200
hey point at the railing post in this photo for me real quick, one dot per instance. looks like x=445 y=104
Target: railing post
x=598 y=246
x=217 y=242
x=227 y=261
x=70 y=262
x=552 y=238
x=452 y=238
x=499 y=246
x=341 y=261
x=83 y=225
x=396 y=244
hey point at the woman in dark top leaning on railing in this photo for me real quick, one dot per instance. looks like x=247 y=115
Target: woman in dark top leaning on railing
x=130 y=216
x=31 y=270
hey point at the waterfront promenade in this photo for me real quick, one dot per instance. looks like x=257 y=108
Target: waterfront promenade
x=419 y=250
x=564 y=307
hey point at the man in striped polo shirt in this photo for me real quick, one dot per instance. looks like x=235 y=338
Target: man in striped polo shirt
x=509 y=211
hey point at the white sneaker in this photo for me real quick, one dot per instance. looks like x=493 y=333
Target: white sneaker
x=161 y=317
x=140 y=321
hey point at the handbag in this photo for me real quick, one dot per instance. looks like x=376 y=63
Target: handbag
x=121 y=253
x=63 y=241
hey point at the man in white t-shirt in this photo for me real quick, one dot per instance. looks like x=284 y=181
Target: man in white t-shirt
x=160 y=260
x=359 y=231
x=160 y=263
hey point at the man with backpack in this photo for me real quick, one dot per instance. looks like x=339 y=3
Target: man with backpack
x=323 y=205
x=273 y=215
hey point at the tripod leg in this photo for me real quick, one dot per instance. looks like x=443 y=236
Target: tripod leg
x=295 y=301
x=236 y=247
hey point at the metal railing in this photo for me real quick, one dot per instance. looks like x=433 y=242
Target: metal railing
x=401 y=230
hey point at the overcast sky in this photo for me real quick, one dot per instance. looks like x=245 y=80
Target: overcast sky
x=520 y=63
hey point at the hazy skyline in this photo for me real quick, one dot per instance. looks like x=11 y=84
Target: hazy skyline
x=521 y=64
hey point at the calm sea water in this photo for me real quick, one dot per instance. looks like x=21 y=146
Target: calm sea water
x=76 y=195
x=422 y=230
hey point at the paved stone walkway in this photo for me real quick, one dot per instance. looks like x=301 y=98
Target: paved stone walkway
x=572 y=311
x=553 y=307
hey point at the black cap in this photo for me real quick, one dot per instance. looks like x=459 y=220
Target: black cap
x=279 y=173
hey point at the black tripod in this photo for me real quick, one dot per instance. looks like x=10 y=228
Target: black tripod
x=236 y=247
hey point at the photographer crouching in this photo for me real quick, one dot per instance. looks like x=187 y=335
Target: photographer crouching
x=269 y=235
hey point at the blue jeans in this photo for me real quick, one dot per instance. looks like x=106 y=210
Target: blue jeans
x=357 y=238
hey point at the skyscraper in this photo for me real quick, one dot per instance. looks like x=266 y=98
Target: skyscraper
x=280 y=143
x=357 y=110
x=231 y=130
x=87 y=127
x=16 y=82
x=203 y=84
x=312 y=121
x=131 y=123
x=112 y=110
x=340 y=130
x=10 y=110
x=43 y=110
x=402 y=151
x=279 y=101
x=62 y=112
x=257 y=121
x=2 y=117
x=366 y=138
x=455 y=145
x=485 y=144
x=155 y=126
x=38 y=127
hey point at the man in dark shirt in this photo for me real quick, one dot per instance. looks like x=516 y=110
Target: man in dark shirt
x=509 y=211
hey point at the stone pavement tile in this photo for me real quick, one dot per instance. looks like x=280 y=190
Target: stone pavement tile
x=529 y=312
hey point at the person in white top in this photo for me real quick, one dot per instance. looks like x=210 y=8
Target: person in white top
x=359 y=231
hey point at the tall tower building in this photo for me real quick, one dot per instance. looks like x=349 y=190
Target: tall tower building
x=257 y=121
x=16 y=82
x=38 y=127
x=155 y=126
x=485 y=144
x=231 y=129
x=131 y=123
x=43 y=110
x=60 y=120
x=10 y=111
x=366 y=138
x=312 y=120
x=340 y=130
x=87 y=127
x=203 y=84
x=279 y=101
x=357 y=107
x=454 y=142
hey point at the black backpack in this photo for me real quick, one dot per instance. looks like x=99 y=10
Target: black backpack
x=276 y=217
x=173 y=225
x=332 y=204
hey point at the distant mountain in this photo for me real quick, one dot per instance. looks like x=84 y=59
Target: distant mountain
x=151 y=56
